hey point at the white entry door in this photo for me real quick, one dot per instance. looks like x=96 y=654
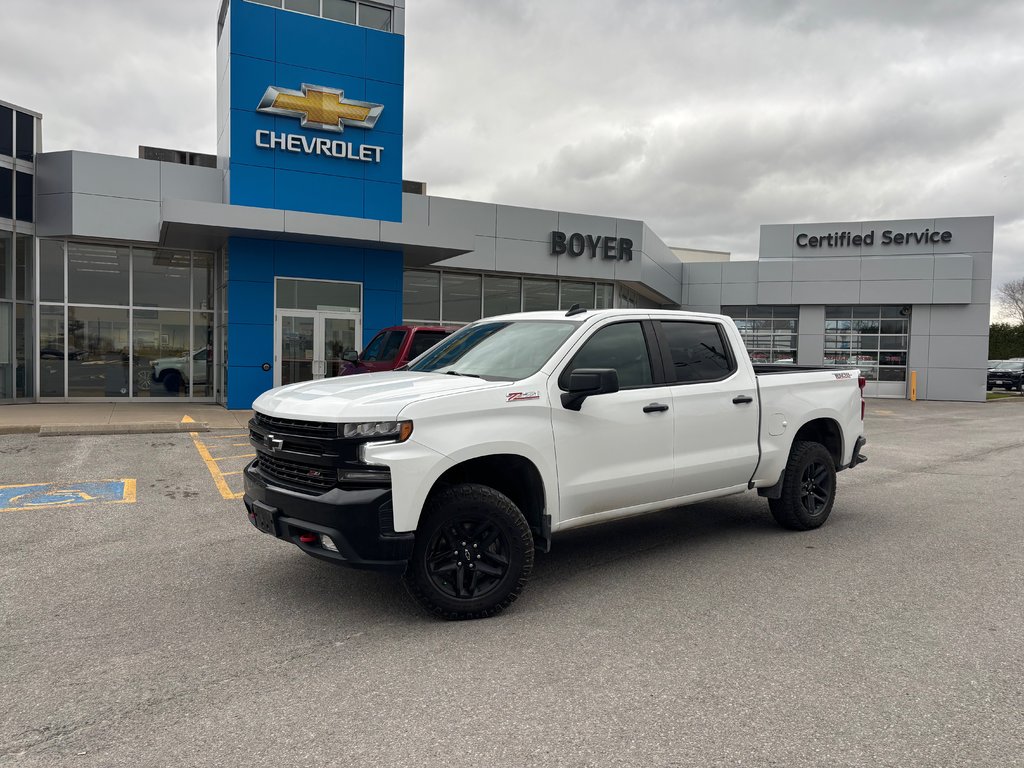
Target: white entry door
x=309 y=344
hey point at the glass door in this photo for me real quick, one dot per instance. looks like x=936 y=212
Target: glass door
x=295 y=346
x=310 y=344
x=340 y=335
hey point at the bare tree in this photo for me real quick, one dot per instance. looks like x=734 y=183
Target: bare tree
x=1011 y=300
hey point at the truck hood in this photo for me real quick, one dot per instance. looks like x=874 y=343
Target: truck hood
x=169 y=361
x=370 y=396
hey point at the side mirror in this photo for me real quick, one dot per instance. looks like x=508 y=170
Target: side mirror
x=350 y=356
x=587 y=382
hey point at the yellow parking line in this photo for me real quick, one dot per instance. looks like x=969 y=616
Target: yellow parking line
x=233 y=473
x=225 y=437
x=239 y=456
x=215 y=473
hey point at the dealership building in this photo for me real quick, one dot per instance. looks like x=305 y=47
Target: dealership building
x=299 y=240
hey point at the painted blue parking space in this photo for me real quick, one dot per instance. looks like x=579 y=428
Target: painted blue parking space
x=40 y=495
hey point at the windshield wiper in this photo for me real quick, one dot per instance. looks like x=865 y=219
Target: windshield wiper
x=456 y=373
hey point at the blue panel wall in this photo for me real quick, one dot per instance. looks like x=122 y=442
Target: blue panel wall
x=253 y=265
x=274 y=47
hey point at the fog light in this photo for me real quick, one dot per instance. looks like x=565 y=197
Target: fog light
x=326 y=542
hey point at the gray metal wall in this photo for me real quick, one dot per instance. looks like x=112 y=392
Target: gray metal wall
x=82 y=194
x=518 y=241
x=948 y=286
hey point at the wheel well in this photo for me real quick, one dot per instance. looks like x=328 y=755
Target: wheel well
x=826 y=432
x=512 y=475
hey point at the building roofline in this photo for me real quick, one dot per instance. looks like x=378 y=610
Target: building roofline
x=26 y=110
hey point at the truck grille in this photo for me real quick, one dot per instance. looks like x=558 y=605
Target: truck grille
x=306 y=478
x=296 y=426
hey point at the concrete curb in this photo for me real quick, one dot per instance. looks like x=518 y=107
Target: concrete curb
x=137 y=428
x=19 y=429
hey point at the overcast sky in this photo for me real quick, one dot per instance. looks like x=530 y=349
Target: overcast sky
x=705 y=119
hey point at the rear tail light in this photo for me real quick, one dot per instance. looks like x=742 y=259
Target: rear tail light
x=862 y=382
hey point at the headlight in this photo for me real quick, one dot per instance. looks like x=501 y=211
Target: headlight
x=398 y=431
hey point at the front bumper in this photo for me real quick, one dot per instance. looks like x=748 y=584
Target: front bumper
x=359 y=522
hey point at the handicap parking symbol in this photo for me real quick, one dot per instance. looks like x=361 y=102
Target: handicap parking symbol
x=37 y=495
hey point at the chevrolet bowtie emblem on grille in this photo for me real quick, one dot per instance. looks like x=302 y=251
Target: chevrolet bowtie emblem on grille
x=320 y=107
x=275 y=444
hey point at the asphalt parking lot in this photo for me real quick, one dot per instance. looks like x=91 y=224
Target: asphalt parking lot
x=146 y=623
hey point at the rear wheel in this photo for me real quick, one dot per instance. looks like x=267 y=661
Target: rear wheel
x=808 y=488
x=473 y=553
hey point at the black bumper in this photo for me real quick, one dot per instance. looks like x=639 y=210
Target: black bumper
x=858 y=457
x=357 y=521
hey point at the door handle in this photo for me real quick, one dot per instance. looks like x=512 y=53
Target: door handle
x=742 y=399
x=655 y=408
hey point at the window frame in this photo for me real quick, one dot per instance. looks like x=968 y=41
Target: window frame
x=670 y=365
x=658 y=378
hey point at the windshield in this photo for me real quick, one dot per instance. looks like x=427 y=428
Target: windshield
x=384 y=347
x=1008 y=365
x=503 y=350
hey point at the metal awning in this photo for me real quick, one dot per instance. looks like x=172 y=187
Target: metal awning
x=203 y=225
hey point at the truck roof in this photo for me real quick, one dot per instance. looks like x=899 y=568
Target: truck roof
x=592 y=313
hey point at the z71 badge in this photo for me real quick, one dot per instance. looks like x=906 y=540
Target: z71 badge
x=843 y=375
x=514 y=396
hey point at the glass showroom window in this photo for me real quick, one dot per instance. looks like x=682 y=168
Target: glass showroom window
x=126 y=322
x=872 y=338
x=17 y=369
x=455 y=298
x=769 y=332
x=6 y=132
x=348 y=11
x=6 y=315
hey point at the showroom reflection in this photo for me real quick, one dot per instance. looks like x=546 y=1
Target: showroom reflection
x=132 y=322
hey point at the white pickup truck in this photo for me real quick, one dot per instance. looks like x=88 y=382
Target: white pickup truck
x=454 y=469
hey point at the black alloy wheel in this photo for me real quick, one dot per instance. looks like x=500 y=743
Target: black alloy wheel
x=808 y=488
x=473 y=553
x=816 y=487
x=468 y=558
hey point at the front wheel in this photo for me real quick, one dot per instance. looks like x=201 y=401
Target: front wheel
x=808 y=488
x=473 y=553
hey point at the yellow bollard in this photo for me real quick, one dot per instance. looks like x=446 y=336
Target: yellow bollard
x=913 y=386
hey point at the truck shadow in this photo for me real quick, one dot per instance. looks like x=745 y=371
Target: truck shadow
x=680 y=531
x=329 y=594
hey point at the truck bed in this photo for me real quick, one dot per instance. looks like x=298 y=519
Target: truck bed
x=765 y=369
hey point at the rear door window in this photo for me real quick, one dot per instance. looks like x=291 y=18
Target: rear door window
x=698 y=351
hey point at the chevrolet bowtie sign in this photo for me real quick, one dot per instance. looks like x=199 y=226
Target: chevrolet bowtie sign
x=320 y=108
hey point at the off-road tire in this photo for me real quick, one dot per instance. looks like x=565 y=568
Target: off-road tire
x=808 y=488
x=452 y=578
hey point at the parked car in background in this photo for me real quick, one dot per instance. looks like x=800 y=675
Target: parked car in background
x=172 y=372
x=392 y=348
x=1008 y=374
x=57 y=352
